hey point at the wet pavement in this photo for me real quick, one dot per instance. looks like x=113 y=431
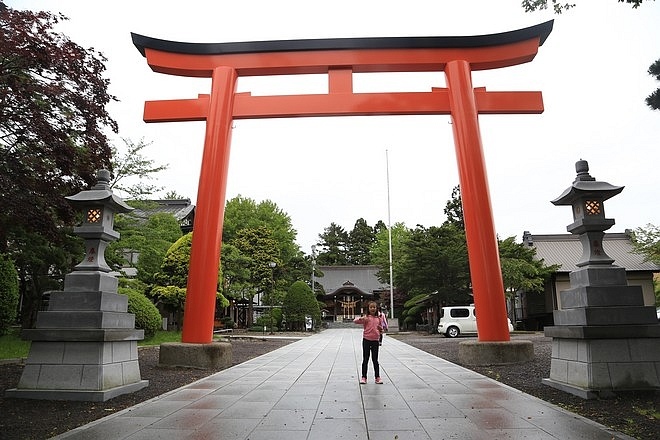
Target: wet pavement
x=310 y=390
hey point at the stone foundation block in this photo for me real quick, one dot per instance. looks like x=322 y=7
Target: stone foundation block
x=495 y=353
x=205 y=356
x=604 y=367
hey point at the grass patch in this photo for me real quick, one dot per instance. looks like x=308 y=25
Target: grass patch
x=12 y=346
x=649 y=412
x=160 y=337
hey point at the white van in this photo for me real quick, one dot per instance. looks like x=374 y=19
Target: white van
x=456 y=320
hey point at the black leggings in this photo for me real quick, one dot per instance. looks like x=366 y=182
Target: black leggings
x=370 y=348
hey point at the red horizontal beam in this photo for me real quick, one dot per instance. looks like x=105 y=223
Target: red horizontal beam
x=436 y=102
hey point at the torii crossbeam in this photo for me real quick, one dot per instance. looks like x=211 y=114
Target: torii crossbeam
x=339 y=58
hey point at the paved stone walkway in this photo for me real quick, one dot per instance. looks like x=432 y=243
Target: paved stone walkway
x=309 y=390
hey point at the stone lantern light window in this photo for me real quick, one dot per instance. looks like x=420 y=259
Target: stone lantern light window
x=94 y=215
x=592 y=207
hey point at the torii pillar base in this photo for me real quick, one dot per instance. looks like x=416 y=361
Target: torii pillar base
x=495 y=353
x=213 y=356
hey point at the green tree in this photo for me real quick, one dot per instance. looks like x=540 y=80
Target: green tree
x=245 y=213
x=173 y=195
x=333 y=246
x=434 y=263
x=380 y=250
x=149 y=239
x=262 y=249
x=133 y=164
x=299 y=303
x=41 y=267
x=413 y=310
x=653 y=100
x=521 y=271
x=454 y=209
x=559 y=7
x=53 y=125
x=158 y=234
x=646 y=241
x=172 y=298
x=171 y=282
x=379 y=226
x=236 y=273
x=8 y=293
x=360 y=240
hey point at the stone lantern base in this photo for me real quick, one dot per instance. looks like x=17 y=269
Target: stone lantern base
x=589 y=364
x=605 y=340
x=80 y=364
x=84 y=347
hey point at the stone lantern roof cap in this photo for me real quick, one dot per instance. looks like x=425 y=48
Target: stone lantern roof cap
x=101 y=193
x=585 y=186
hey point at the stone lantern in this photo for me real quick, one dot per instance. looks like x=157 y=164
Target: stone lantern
x=587 y=196
x=99 y=206
x=605 y=340
x=84 y=347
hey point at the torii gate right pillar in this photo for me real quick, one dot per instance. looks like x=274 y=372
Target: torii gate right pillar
x=494 y=345
x=479 y=224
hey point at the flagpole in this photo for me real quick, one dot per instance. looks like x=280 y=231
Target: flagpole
x=389 y=233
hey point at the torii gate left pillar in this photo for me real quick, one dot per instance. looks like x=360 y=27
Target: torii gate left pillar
x=457 y=57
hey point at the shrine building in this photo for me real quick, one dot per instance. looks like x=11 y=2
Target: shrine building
x=348 y=289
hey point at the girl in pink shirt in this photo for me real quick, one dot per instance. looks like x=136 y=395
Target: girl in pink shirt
x=370 y=338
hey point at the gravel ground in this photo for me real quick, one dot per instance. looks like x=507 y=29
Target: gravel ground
x=23 y=419
x=634 y=414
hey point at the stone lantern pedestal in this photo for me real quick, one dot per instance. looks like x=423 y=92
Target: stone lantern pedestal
x=84 y=347
x=604 y=339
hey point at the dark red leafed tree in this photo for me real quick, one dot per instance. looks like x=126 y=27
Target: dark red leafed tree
x=53 y=115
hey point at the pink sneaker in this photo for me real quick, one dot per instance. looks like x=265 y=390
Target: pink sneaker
x=363 y=381
x=378 y=381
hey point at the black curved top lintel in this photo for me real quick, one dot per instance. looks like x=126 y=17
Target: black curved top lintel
x=542 y=31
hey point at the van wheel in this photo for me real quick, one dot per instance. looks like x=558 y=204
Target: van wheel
x=452 y=332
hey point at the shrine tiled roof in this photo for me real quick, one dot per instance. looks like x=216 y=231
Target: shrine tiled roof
x=360 y=278
x=566 y=250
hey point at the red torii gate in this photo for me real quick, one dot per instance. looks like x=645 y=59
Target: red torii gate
x=340 y=58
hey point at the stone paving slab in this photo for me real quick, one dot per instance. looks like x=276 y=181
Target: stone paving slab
x=309 y=390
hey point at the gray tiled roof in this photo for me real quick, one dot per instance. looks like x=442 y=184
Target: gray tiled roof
x=362 y=277
x=566 y=250
x=179 y=208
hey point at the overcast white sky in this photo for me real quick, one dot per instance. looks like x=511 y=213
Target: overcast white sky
x=592 y=71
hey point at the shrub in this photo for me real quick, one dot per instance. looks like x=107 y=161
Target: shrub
x=227 y=322
x=263 y=321
x=8 y=294
x=299 y=303
x=147 y=316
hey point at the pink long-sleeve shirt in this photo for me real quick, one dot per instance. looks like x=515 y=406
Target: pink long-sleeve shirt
x=371 y=326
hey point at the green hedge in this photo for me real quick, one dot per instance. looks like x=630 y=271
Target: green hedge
x=8 y=294
x=147 y=316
